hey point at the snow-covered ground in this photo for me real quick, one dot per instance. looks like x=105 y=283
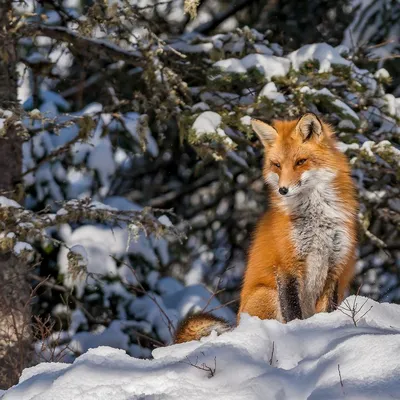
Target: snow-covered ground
x=325 y=357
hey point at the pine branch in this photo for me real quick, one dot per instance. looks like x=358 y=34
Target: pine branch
x=85 y=45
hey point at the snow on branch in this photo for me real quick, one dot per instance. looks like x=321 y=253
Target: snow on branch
x=20 y=225
x=85 y=45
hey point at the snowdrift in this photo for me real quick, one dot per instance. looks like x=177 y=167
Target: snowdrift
x=329 y=356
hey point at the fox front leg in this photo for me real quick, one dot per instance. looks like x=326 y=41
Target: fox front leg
x=289 y=297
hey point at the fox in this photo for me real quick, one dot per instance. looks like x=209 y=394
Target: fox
x=302 y=256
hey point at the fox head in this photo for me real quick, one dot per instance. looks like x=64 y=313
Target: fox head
x=300 y=155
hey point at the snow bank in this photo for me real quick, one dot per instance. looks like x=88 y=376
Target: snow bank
x=325 y=357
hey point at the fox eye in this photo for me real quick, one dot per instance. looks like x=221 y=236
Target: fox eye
x=301 y=162
x=276 y=164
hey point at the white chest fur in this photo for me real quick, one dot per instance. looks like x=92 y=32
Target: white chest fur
x=321 y=238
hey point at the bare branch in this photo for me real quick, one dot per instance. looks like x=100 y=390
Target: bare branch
x=142 y=290
x=352 y=310
x=203 y=367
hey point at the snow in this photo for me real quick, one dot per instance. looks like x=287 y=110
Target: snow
x=100 y=243
x=367 y=148
x=195 y=298
x=392 y=104
x=192 y=48
x=111 y=336
x=268 y=65
x=36 y=58
x=80 y=254
x=168 y=285
x=369 y=20
x=92 y=109
x=246 y=120
x=271 y=92
x=97 y=243
x=47 y=96
x=343 y=147
x=345 y=108
x=201 y=106
x=101 y=159
x=6 y=202
x=346 y=124
x=209 y=122
x=278 y=50
x=22 y=246
x=225 y=99
x=394 y=204
x=366 y=78
x=324 y=357
x=131 y=121
x=336 y=102
x=6 y=113
x=98 y=155
x=382 y=73
x=151 y=312
x=127 y=276
x=231 y=65
x=263 y=49
x=165 y=221
x=323 y=52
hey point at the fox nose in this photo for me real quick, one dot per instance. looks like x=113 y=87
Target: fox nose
x=283 y=190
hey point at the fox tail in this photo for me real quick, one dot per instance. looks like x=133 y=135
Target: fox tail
x=196 y=326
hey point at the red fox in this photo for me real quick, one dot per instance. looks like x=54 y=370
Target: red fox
x=302 y=257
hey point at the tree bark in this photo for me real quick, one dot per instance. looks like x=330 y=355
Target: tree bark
x=15 y=332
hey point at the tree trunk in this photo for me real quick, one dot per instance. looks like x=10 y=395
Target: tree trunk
x=15 y=332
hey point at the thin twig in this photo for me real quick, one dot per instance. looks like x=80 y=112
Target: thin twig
x=223 y=305
x=46 y=282
x=272 y=353
x=353 y=310
x=142 y=290
x=203 y=366
x=340 y=377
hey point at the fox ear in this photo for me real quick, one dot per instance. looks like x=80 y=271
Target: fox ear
x=308 y=126
x=265 y=132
